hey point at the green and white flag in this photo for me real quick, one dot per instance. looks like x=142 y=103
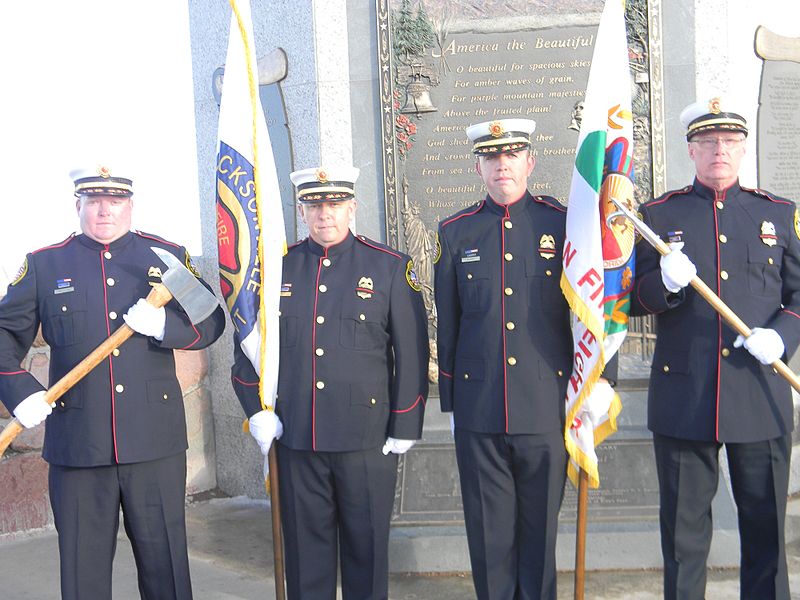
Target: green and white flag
x=599 y=255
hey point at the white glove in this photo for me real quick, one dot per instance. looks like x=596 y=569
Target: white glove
x=453 y=424
x=33 y=410
x=397 y=446
x=599 y=401
x=146 y=319
x=765 y=344
x=265 y=426
x=676 y=268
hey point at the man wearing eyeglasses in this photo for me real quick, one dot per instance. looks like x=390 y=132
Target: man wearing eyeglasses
x=709 y=387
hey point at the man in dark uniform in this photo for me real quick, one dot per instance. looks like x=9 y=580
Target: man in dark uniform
x=505 y=356
x=705 y=389
x=118 y=437
x=352 y=389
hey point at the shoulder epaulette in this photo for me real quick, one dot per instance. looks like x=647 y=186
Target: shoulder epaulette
x=667 y=195
x=378 y=246
x=296 y=244
x=551 y=202
x=157 y=238
x=60 y=244
x=466 y=212
x=767 y=195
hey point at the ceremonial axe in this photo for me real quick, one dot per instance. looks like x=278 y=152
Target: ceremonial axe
x=196 y=301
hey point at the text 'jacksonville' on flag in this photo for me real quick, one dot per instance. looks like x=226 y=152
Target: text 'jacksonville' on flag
x=599 y=248
x=250 y=229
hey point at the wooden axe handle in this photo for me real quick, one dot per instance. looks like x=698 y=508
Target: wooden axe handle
x=159 y=296
x=731 y=318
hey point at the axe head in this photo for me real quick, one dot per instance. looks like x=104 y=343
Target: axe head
x=196 y=301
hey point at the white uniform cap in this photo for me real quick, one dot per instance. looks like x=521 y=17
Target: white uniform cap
x=711 y=115
x=101 y=179
x=320 y=184
x=498 y=137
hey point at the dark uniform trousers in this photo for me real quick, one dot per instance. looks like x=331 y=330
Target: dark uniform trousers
x=505 y=352
x=705 y=393
x=353 y=370
x=118 y=437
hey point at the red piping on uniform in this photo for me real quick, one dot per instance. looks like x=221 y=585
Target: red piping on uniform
x=719 y=317
x=469 y=214
x=794 y=314
x=446 y=374
x=197 y=339
x=110 y=362
x=21 y=372
x=236 y=379
x=412 y=407
x=503 y=309
x=314 y=357
x=669 y=195
x=58 y=245
x=366 y=243
x=767 y=195
x=150 y=236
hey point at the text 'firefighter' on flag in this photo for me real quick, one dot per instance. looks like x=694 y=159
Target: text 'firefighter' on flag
x=250 y=230
x=599 y=254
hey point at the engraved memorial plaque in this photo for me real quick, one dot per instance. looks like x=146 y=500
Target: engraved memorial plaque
x=778 y=126
x=447 y=65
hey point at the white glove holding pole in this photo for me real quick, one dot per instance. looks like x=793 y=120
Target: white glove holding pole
x=146 y=319
x=599 y=401
x=676 y=268
x=766 y=345
x=33 y=410
x=396 y=446
x=265 y=426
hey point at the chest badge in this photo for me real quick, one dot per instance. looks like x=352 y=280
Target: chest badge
x=153 y=275
x=768 y=233
x=364 y=289
x=547 y=246
x=286 y=290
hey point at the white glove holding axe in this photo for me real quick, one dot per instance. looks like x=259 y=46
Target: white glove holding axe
x=265 y=426
x=676 y=268
x=146 y=319
x=766 y=345
x=33 y=410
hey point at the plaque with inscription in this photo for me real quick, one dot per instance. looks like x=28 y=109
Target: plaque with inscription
x=778 y=126
x=445 y=66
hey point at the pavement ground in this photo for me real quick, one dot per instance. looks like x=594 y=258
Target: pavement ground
x=230 y=547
